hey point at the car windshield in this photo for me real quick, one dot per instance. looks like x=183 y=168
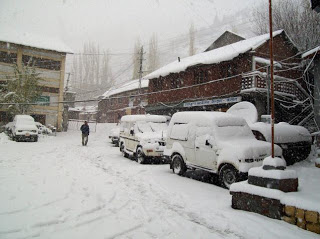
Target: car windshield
x=227 y=132
x=144 y=127
x=25 y=121
x=158 y=126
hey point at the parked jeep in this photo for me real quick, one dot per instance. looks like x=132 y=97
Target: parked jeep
x=216 y=142
x=143 y=137
x=294 y=140
x=24 y=129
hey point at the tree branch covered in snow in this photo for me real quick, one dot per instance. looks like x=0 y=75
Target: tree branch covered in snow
x=294 y=16
x=22 y=87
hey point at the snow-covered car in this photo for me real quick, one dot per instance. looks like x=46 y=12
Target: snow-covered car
x=216 y=142
x=24 y=129
x=294 y=140
x=8 y=128
x=43 y=129
x=143 y=137
x=114 y=136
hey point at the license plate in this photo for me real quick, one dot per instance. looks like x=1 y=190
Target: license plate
x=27 y=134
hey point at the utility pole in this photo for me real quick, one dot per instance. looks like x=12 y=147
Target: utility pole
x=140 y=77
x=268 y=90
x=271 y=81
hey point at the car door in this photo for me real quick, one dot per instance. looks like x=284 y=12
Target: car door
x=205 y=151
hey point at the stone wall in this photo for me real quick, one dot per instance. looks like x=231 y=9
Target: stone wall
x=308 y=220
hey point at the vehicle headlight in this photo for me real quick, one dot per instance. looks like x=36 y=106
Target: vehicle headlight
x=34 y=131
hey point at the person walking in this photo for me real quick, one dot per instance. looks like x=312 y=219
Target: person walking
x=85 y=133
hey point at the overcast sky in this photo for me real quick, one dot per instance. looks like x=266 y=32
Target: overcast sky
x=114 y=24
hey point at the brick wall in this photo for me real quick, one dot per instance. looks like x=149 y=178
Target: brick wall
x=112 y=108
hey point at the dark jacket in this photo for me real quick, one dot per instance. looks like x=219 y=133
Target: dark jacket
x=85 y=129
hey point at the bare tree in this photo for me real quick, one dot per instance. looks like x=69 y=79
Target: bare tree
x=135 y=59
x=153 y=55
x=191 y=40
x=91 y=72
x=295 y=17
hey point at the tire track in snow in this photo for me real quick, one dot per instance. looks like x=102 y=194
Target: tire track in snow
x=124 y=232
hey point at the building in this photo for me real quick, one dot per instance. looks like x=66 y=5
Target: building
x=226 y=38
x=48 y=56
x=123 y=100
x=216 y=79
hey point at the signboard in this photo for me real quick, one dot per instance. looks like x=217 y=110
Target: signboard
x=213 y=102
x=43 y=100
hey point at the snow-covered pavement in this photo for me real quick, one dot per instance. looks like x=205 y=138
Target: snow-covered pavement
x=56 y=188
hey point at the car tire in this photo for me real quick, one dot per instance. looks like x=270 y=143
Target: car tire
x=122 y=150
x=140 y=157
x=178 y=165
x=228 y=175
x=36 y=139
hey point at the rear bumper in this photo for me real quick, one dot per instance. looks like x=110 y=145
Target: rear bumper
x=30 y=138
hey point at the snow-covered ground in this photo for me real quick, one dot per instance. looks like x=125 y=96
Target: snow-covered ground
x=56 y=188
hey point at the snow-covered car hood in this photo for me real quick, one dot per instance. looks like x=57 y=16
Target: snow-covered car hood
x=284 y=132
x=152 y=136
x=245 y=149
x=115 y=132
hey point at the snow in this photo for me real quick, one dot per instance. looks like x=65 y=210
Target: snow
x=215 y=56
x=56 y=188
x=146 y=118
x=132 y=85
x=284 y=132
x=312 y=51
x=245 y=110
x=306 y=198
x=317 y=161
x=33 y=40
x=272 y=173
x=275 y=162
x=115 y=132
x=230 y=135
x=266 y=61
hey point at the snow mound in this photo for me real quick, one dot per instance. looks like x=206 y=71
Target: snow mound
x=245 y=110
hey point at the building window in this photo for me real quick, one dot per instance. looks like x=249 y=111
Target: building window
x=120 y=100
x=41 y=63
x=200 y=77
x=111 y=101
x=6 y=57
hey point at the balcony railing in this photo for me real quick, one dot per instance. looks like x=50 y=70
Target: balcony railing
x=257 y=80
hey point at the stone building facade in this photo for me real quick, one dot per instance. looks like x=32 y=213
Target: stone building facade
x=49 y=60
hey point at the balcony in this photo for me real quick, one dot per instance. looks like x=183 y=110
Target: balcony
x=256 y=81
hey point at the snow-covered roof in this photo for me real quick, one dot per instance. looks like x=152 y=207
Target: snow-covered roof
x=312 y=51
x=131 y=85
x=215 y=56
x=146 y=118
x=33 y=40
x=206 y=118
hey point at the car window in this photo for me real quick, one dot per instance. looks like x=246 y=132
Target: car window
x=158 y=126
x=144 y=127
x=203 y=131
x=179 y=132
